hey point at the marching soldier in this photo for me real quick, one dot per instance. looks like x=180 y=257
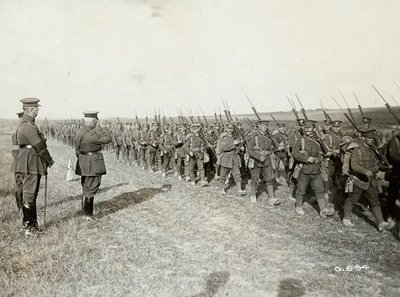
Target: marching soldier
x=90 y=164
x=281 y=151
x=194 y=148
x=260 y=150
x=167 y=150
x=117 y=140
x=180 y=154
x=365 y=170
x=18 y=177
x=32 y=162
x=307 y=153
x=229 y=149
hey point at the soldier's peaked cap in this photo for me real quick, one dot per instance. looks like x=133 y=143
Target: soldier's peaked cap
x=196 y=125
x=366 y=120
x=91 y=114
x=337 y=123
x=309 y=123
x=262 y=121
x=327 y=122
x=300 y=121
x=30 y=102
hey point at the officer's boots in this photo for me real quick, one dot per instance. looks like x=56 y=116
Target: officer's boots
x=18 y=199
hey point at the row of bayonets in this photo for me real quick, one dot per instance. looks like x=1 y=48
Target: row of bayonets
x=228 y=115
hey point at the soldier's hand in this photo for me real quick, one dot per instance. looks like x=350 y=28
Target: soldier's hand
x=236 y=142
x=262 y=158
x=311 y=160
x=369 y=173
x=380 y=175
x=50 y=163
x=328 y=154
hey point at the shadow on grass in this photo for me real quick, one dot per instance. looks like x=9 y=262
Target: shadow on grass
x=214 y=282
x=127 y=199
x=291 y=287
x=79 y=197
x=115 y=204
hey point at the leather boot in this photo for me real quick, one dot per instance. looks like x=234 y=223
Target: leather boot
x=34 y=221
x=91 y=206
x=25 y=218
x=18 y=199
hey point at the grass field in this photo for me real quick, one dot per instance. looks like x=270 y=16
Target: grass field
x=160 y=237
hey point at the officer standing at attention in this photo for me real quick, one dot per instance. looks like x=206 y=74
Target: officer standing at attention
x=32 y=162
x=90 y=164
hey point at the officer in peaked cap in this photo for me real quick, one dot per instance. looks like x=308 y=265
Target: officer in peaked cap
x=90 y=164
x=32 y=162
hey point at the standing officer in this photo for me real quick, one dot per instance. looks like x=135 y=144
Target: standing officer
x=33 y=160
x=260 y=150
x=17 y=176
x=90 y=164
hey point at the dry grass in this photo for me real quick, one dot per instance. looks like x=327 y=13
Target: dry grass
x=159 y=237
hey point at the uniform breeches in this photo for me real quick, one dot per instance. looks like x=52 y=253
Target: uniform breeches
x=317 y=184
x=180 y=161
x=372 y=196
x=167 y=161
x=200 y=167
x=150 y=155
x=30 y=185
x=235 y=173
x=142 y=153
x=19 y=182
x=266 y=171
x=90 y=185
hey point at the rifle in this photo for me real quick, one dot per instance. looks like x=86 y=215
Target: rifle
x=348 y=109
x=252 y=107
x=293 y=108
x=225 y=110
x=346 y=115
x=327 y=116
x=204 y=116
x=359 y=105
x=388 y=106
x=259 y=118
x=397 y=104
x=276 y=122
x=303 y=111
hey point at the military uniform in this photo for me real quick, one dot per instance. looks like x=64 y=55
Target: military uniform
x=17 y=175
x=90 y=164
x=32 y=162
x=180 y=154
x=364 y=168
x=307 y=153
x=260 y=151
x=167 y=150
x=229 y=160
x=194 y=148
x=117 y=141
x=281 y=152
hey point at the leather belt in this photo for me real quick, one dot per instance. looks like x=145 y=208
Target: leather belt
x=90 y=153
x=25 y=146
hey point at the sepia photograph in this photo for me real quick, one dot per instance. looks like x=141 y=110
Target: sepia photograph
x=200 y=148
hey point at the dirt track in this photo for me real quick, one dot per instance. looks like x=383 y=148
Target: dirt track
x=160 y=237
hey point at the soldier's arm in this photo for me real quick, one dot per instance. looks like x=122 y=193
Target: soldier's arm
x=31 y=133
x=255 y=154
x=355 y=162
x=226 y=144
x=298 y=154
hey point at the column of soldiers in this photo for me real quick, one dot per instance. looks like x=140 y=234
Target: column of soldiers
x=339 y=168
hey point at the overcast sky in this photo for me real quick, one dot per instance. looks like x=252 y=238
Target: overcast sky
x=116 y=56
